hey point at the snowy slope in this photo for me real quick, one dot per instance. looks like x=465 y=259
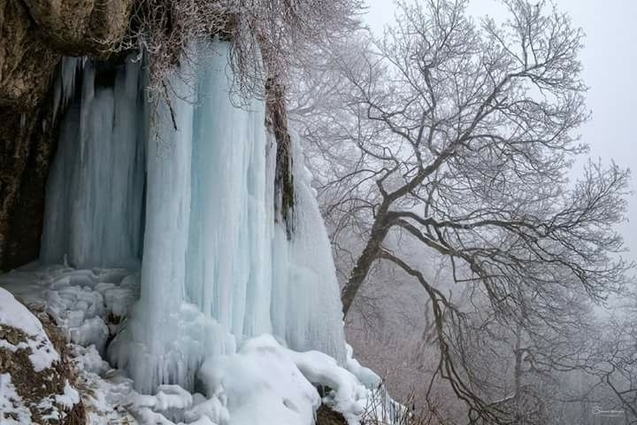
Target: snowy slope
x=34 y=383
x=262 y=383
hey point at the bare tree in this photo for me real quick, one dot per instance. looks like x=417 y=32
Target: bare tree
x=460 y=136
x=477 y=138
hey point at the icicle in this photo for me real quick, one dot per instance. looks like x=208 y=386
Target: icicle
x=95 y=188
x=229 y=256
x=167 y=338
x=306 y=309
x=64 y=87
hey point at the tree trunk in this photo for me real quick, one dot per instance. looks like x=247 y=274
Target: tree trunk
x=369 y=255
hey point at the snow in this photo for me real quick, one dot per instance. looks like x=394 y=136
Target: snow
x=66 y=400
x=347 y=396
x=261 y=384
x=366 y=376
x=12 y=408
x=106 y=391
x=164 y=214
x=79 y=301
x=13 y=314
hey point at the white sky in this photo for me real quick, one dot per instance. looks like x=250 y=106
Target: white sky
x=609 y=59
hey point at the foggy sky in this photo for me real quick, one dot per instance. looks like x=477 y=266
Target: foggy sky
x=609 y=59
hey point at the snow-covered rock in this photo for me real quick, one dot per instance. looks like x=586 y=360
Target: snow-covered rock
x=266 y=383
x=35 y=381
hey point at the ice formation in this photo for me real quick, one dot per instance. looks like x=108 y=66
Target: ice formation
x=94 y=198
x=79 y=301
x=260 y=381
x=163 y=212
x=191 y=181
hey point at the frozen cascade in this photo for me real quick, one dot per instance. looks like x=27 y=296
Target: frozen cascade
x=229 y=260
x=95 y=190
x=306 y=307
x=217 y=268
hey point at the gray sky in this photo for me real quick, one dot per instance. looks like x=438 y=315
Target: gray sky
x=609 y=59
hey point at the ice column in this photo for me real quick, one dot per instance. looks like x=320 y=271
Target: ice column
x=93 y=212
x=306 y=308
x=217 y=267
x=229 y=259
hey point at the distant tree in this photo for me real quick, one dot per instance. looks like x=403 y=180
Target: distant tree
x=614 y=362
x=460 y=137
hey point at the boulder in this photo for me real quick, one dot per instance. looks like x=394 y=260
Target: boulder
x=326 y=416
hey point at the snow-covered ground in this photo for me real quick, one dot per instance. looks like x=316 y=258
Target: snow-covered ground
x=262 y=383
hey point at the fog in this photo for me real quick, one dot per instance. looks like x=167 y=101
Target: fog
x=608 y=59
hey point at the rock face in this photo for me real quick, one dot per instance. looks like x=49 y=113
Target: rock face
x=26 y=61
x=26 y=146
x=81 y=27
x=35 y=34
x=327 y=416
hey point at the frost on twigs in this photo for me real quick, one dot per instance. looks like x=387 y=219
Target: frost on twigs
x=264 y=33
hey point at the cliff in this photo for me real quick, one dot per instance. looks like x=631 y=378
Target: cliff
x=35 y=34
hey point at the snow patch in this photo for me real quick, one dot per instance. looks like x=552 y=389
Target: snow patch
x=366 y=376
x=265 y=383
x=12 y=408
x=15 y=315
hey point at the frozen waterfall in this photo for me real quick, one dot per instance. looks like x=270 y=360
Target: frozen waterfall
x=195 y=182
x=94 y=198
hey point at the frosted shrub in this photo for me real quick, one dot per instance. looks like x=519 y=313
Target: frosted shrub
x=381 y=410
x=264 y=33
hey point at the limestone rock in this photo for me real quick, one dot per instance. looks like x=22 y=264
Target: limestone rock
x=81 y=27
x=327 y=416
x=26 y=148
x=26 y=62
